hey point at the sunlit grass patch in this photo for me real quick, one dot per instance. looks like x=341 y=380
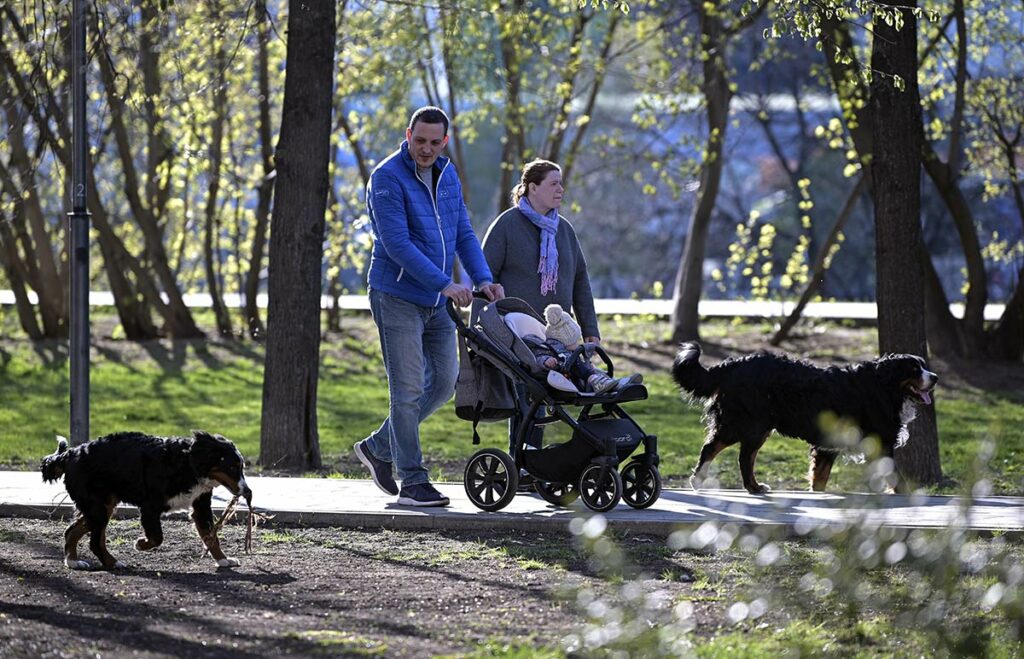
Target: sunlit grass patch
x=12 y=536
x=498 y=649
x=282 y=538
x=339 y=642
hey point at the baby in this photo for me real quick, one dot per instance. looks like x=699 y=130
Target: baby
x=562 y=335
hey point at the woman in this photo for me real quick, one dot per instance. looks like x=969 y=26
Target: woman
x=535 y=255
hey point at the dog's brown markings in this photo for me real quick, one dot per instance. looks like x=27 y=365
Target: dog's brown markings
x=72 y=535
x=211 y=541
x=707 y=454
x=821 y=468
x=208 y=532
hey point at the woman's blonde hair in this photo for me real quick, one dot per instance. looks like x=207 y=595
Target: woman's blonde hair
x=533 y=172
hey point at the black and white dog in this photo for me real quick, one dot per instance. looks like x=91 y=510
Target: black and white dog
x=746 y=398
x=157 y=474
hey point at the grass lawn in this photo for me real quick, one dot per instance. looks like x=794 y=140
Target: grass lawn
x=170 y=387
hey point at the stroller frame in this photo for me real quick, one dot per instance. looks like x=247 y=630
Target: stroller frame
x=492 y=475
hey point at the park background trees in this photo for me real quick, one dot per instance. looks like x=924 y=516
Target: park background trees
x=712 y=149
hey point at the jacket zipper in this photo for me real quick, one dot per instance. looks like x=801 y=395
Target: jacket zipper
x=437 y=218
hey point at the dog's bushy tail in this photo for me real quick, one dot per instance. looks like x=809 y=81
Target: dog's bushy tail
x=690 y=374
x=52 y=465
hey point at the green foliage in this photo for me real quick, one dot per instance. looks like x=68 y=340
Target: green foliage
x=856 y=589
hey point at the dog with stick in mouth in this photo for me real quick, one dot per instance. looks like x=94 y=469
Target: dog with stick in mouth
x=157 y=474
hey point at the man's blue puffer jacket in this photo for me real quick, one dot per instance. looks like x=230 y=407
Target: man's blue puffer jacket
x=414 y=247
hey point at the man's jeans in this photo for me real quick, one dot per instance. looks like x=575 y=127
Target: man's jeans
x=421 y=360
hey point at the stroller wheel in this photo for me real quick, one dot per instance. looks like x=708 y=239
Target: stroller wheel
x=641 y=484
x=491 y=479
x=600 y=488
x=559 y=494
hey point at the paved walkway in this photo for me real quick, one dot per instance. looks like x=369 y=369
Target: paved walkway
x=358 y=503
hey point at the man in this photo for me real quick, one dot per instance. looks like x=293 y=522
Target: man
x=420 y=223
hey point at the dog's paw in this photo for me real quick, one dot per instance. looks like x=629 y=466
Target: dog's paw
x=145 y=544
x=228 y=562
x=118 y=565
x=79 y=564
x=759 y=488
x=696 y=483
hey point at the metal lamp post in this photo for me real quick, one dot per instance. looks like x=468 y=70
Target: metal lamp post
x=78 y=219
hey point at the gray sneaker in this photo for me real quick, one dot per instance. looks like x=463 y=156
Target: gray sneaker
x=599 y=382
x=421 y=495
x=379 y=469
x=622 y=383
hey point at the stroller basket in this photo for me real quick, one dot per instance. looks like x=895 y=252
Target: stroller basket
x=562 y=463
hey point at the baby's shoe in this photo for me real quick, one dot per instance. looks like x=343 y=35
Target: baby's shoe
x=622 y=383
x=600 y=383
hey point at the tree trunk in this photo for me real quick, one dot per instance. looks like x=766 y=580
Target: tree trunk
x=1008 y=336
x=289 y=437
x=13 y=268
x=133 y=303
x=603 y=62
x=39 y=255
x=211 y=233
x=947 y=334
x=133 y=312
x=158 y=144
x=266 y=187
x=552 y=149
x=963 y=219
x=899 y=249
x=690 y=276
x=178 y=319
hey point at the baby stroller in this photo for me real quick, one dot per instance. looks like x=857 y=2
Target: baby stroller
x=603 y=434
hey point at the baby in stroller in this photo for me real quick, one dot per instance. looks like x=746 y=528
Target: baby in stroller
x=600 y=462
x=555 y=348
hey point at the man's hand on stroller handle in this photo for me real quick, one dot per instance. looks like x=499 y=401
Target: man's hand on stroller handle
x=459 y=294
x=463 y=295
x=493 y=291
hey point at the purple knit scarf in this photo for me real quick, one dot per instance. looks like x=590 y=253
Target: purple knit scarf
x=548 y=225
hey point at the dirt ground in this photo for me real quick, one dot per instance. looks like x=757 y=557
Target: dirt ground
x=305 y=592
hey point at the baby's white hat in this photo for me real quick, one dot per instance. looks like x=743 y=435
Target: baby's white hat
x=561 y=326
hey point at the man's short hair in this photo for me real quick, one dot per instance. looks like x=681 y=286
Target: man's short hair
x=429 y=115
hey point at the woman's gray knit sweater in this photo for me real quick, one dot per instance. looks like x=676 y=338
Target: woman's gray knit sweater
x=512 y=249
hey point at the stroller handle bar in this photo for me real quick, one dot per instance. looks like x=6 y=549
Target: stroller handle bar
x=456 y=314
x=583 y=351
